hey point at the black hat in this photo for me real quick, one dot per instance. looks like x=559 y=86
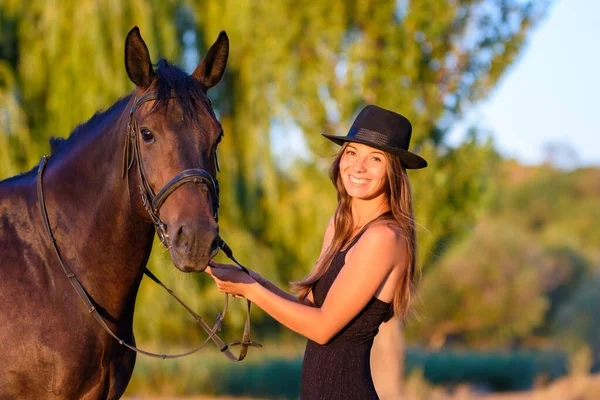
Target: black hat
x=384 y=130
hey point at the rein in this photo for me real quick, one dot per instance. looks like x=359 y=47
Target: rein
x=152 y=204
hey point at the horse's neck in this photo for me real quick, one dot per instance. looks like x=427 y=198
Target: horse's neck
x=96 y=221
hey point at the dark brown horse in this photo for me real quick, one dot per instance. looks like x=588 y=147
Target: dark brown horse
x=50 y=347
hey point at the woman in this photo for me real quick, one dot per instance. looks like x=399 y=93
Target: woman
x=365 y=271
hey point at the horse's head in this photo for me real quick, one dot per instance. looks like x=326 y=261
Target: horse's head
x=173 y=139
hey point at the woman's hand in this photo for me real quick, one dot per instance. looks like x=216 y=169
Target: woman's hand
x=230 y=278
x=253 y=274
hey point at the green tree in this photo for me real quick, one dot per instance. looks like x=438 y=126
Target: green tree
x=297 y=69
x=533 y=244
x=559 y=211
x=15 y=139
x=314 y=65
x=487 y=292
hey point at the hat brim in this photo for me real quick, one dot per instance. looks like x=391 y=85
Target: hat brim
x=410 y=160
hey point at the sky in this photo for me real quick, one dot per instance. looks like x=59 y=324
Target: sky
x=550 y=95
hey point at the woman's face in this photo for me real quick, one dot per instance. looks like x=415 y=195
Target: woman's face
x=364 y=171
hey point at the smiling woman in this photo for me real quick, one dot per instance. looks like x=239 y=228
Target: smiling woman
x=365 y=271
x=363 y=171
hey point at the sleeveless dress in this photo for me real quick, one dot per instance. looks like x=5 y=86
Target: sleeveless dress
x=341 y=368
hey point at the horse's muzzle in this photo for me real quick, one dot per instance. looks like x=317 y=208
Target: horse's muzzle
x=193 y=245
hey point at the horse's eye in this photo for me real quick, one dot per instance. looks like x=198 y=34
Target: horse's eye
x=147 y=136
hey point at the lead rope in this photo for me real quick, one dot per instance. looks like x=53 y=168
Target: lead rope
x=224 y=347
x=245 y=342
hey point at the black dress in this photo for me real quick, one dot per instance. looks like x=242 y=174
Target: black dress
x=341 y=368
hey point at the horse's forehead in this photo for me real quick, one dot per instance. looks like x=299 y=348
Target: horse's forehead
x=200 y=116
x=206 y=114
x=203 y=116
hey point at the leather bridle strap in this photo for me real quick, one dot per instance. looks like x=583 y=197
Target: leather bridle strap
x=152 y=202
x=224 y=347
x=94 y=312
x=189 y=175
x=245 y=342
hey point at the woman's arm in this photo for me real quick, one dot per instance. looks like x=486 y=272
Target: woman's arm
x=270 y=286
x=379 y=250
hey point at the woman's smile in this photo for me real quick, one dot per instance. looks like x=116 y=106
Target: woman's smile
x=364 y=171
x=358 y=181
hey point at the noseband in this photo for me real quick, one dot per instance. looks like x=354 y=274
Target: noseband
x=152 y=202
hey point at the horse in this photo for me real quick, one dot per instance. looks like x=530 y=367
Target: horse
x=90 y=212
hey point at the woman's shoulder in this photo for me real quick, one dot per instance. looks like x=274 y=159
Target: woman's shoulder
x=382 y=245
x=386 y=229
x=382 y=235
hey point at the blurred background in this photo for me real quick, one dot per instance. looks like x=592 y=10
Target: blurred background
x=502 y=95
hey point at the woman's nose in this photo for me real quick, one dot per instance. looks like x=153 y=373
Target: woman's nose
x=359 y=165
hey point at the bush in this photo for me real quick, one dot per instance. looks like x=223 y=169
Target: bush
x=499 y=371
x=275 y=373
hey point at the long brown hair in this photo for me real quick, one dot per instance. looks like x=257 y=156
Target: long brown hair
x=399 y=197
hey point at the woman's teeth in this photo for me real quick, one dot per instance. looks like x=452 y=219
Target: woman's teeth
x=357 y=181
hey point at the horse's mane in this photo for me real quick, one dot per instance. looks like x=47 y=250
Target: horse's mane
x=58 y=144
x=170 y=79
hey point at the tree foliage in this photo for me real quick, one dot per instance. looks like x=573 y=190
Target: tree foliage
x=296 y=69
x=486 y=293
x=527 y=274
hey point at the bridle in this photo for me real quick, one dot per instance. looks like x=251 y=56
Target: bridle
x=151 y=201
x=152 y=204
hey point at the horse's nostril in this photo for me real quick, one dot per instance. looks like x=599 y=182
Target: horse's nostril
x=181 y=240
x=196 y=240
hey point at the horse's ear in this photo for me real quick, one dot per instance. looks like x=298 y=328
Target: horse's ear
x=211 y=68
x=137 y=59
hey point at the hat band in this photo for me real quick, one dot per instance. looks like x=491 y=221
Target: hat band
x=377 y=138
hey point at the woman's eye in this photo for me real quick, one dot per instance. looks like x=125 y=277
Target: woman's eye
x=147 y=136
x=376 y=159
x=350 y=152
